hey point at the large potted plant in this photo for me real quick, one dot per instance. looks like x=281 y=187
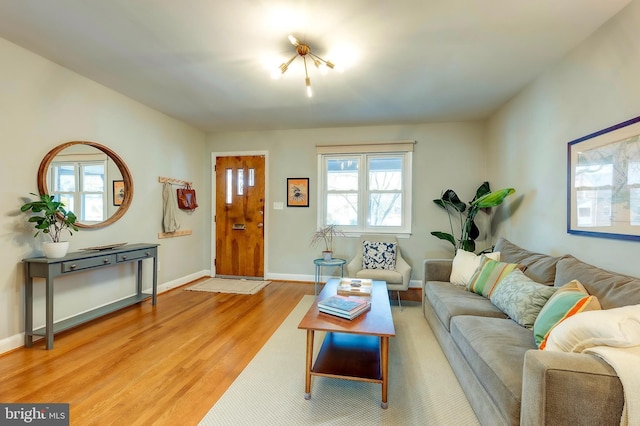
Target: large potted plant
x=466 y=214
x=51 y=218
x=326 y=235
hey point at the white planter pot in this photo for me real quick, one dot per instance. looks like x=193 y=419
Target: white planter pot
x=327 y=255
x=55 y=250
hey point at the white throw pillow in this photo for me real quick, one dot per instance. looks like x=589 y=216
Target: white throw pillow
x=465 y=264
x=617 y=327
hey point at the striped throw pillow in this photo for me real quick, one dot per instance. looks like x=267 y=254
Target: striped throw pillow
x=568 y=300
x=489 y=274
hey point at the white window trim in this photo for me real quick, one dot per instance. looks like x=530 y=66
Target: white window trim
x=404 y=148
x=79 y=160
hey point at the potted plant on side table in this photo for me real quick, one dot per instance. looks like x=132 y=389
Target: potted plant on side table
x=50 y=217
x=326 y=235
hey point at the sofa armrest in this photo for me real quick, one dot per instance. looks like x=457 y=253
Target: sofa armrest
x=436 y=270
x=562 y=388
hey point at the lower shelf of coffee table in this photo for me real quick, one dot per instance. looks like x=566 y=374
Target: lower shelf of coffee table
x=349 y=356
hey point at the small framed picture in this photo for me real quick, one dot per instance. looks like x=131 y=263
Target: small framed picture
x=118 y=192
x=297 y=192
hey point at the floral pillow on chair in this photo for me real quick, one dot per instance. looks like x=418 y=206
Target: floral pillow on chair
x=379 y=255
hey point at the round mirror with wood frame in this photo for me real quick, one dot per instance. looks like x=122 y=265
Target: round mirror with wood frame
x=43 y=187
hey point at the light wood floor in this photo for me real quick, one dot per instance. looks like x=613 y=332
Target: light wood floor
x=162 y=365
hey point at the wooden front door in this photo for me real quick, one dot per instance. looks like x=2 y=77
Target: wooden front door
x=239 y=219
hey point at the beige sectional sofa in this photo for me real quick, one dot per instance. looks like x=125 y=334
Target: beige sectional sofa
x=505 y=377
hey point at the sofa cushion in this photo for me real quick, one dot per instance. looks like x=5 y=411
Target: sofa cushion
x=379 y=255
x=465 y=263
x=612 y=290
x=488 y=275
x=521 y=298
x=539 y=267
x=494 y=348
x=449 y=300
x=391 y=277
x=568 y=300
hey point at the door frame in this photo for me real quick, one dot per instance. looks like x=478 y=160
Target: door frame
x=215 y=155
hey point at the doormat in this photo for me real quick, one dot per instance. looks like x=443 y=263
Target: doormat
x=225 y=285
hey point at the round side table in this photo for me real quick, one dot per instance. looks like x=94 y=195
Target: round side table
x=320 y=263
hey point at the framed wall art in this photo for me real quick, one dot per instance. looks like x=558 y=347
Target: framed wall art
x=118 y=192
x=297 y=192
x=603 y=183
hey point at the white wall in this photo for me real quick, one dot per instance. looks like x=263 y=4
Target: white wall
x=43 y=105
x=596 y=86
x=447 y=155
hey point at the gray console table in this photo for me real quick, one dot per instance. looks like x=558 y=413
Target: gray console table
x=42 y=267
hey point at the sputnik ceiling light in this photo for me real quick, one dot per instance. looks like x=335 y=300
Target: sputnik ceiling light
x=303 y=50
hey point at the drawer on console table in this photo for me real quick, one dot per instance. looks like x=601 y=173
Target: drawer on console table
x=76 y=265
x=132 y=255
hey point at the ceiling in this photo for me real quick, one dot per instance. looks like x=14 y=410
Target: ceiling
x=209 y=62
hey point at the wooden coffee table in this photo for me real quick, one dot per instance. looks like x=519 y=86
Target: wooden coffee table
x=355 y=349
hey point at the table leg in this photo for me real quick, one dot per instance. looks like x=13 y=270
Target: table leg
x=28 y=308
x=307 y=378
x=316 y=280
x=384 y=361
x=139 y=278
x=49 y=313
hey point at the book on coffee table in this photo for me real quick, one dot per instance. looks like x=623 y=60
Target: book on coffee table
x=344 y=307
x=355 y=286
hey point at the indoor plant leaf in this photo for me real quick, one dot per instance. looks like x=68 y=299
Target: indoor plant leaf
x=444 y=236
x=494 y=198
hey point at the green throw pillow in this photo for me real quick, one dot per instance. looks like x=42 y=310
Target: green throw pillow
x=568 y=300
x=521 y=298
x=489 y=274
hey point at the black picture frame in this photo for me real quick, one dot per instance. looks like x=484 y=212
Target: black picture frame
x=118 y=192
x=297 y=192
x=603 y=183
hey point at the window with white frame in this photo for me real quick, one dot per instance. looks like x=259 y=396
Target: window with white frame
x=80 y=186
x=365 y=188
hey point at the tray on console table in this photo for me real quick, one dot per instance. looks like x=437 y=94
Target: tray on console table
x=47 y=268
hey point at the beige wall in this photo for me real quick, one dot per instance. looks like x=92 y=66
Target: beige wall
x=596 y=86
x=43 y=105
x=447 y=155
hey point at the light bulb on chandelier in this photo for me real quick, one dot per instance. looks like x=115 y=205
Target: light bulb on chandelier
x=303 y=51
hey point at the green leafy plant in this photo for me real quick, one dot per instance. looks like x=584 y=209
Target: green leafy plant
x=326 y=235
x=466 y=214
x=50 y=216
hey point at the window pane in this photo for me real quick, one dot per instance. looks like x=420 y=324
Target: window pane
x=92 y=178
x=240 y=182
x=594 y=207
x=385 y=174
x=93 y=210
x=229 y=186
x=64 y=177
x=634 y=208
x=342 y=174
x=252 y=177
x=342 y=209
x=385 y=209
x=67 y=200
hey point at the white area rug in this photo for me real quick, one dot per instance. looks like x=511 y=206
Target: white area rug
x=270 y=390
x=225 y=285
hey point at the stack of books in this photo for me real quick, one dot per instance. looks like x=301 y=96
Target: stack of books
x=355 y=286
x=344 y=307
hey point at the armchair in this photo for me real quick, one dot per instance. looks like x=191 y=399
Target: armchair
x=397 y=275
